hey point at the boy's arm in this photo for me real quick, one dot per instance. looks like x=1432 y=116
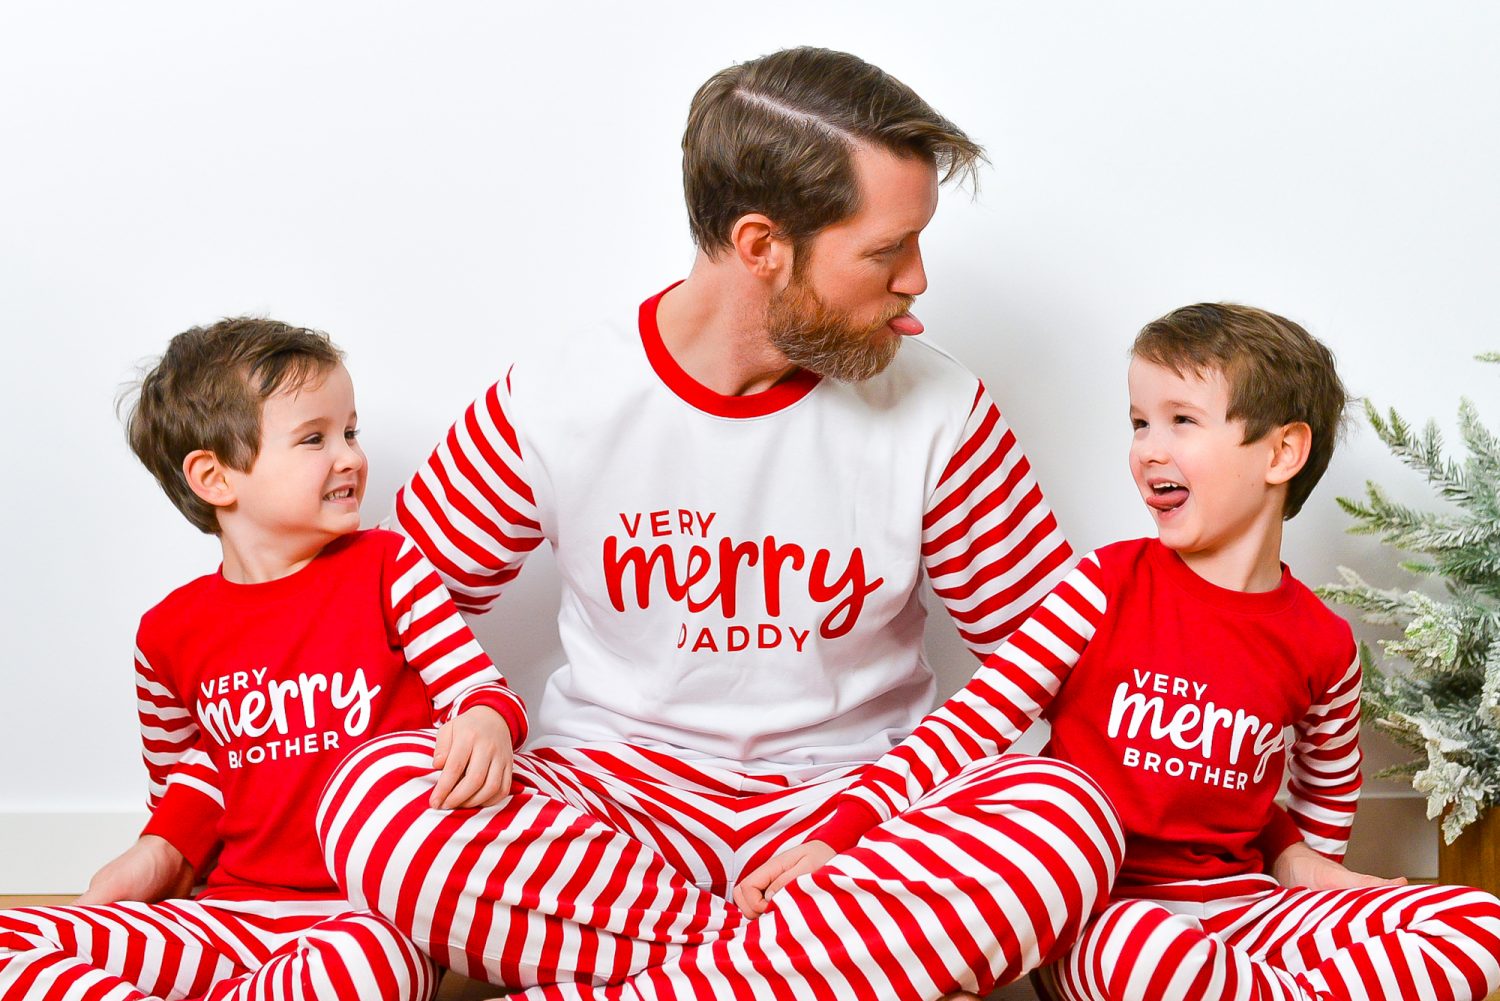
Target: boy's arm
x=469 y=508
x=1324 y=766
x=990 y=543
x=184 y=796
x=1006 y=695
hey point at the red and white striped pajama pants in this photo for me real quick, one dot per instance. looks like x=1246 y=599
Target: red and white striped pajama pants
x=614 y=860
x=1261 y=941
x=218 y=950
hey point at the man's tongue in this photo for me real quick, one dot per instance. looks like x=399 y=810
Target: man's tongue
x=1166 y=500
x=907 y=325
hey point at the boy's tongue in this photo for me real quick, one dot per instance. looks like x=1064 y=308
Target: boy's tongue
x=907 y=325
x=1166 y=500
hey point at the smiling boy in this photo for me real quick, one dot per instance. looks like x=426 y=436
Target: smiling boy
x=1170 y=668
x=253 y=684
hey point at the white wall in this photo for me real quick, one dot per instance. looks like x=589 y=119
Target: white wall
x=445 y=186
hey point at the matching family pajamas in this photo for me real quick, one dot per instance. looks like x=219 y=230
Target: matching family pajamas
x=249 y=697
x=742 y=618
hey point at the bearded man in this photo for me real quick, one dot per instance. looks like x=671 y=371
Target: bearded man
x=745 y=484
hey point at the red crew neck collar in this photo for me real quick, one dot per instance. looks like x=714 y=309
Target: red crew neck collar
x=780 y=396
x=1250 y=602
x=293 y=583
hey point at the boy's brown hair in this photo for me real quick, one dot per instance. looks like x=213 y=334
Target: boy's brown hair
x=776 y=136
x=207 y=392
x=1277 y=373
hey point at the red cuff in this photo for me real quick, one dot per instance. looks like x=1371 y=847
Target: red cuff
x=189 y=821
x=851 y=820
x=1279 y=833
x=504 y=702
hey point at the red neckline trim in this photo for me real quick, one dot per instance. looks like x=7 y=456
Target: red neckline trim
x=692 y=392
x=1251 y=602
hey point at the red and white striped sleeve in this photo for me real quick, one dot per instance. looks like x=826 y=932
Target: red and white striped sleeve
x=1005 y=696
x=184 y=795
x=469 y=508
x=990 y=543
x=438 y=645
x=1324 y=766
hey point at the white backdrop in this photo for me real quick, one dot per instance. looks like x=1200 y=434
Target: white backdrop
x=446 y=186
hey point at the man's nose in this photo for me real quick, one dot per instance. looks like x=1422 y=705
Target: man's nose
x=911 y=277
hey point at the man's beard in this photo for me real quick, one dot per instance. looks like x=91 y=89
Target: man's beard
x=827 y=341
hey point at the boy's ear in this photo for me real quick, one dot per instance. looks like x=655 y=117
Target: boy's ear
x=205 y=477
x=1290 y=446
x=760 y=250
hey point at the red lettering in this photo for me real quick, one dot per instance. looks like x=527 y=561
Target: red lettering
x=631 y=527
x=739 y=638
x=719 y=572
x=660 y=525
x=705 y=641
x=768 y=636
x=703 y=523
x=615 y=564
x=775 y=556
x=685 y=521
x=799 y=640
x=842 y=617
x=726 y=591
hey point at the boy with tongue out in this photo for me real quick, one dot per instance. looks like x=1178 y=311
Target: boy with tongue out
x=1170 y=668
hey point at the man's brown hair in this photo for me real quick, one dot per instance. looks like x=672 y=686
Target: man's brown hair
x=1277 y=373
x=776 y=136
x=207 y=391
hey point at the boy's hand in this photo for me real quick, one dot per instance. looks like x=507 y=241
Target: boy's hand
x=1300 y=866
x=753 y=891
x=149 y=870
x=474 y=754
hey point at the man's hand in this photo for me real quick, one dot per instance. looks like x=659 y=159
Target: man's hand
x=753 y=891
x=474 y=754
x=1300 y=866
x=149 y=870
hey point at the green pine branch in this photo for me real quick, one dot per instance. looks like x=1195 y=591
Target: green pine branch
x=1442 y=700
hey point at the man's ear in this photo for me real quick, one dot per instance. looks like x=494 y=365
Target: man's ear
x=205 y=477
x=1290 y=446
x=759 y=246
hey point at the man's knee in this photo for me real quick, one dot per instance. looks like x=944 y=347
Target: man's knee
x=392 y=769
x=1042 y=786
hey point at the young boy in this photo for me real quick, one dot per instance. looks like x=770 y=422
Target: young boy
x=253 y=683
x=1170 y=669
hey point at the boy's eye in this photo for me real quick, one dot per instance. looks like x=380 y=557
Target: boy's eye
x=1136 y=423
x=351 y=434
x=1183 y=419
x=312 y=439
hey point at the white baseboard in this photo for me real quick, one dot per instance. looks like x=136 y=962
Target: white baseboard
x=58 y=852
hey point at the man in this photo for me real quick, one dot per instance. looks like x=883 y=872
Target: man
x=744 y=487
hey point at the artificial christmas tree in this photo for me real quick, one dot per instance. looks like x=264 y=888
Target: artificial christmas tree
x=1446 y=706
